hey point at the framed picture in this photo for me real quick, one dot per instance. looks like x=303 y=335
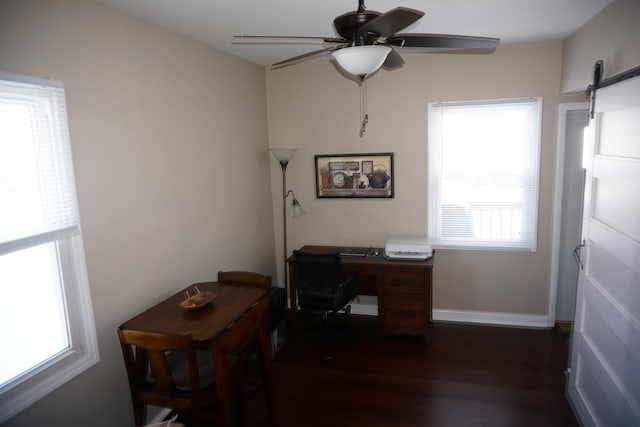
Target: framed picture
x=354 y=175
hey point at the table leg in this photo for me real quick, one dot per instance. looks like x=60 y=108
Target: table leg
x=223 y=390
x=267 y=368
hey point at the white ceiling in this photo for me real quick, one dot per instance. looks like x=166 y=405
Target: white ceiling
x=215 y=21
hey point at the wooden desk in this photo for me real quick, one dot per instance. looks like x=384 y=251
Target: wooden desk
x=206 y=325
x=403 y=288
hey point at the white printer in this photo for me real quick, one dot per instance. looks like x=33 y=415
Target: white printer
x=411 y=249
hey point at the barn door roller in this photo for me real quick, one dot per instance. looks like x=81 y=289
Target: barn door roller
x=598 y=83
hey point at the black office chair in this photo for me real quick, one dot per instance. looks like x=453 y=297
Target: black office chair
x=322 y=288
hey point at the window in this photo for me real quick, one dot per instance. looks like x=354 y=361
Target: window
x=483 y=174
x=46 y=320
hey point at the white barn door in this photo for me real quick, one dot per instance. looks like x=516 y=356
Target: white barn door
x=604 y=378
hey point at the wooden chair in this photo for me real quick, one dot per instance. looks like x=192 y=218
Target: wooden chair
x=244 y=278
x=155 y=380
x=247 y=336
x=278 y=303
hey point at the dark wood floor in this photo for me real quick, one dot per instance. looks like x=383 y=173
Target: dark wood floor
x=468 y=376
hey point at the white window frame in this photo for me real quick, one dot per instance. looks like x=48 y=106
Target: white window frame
x=530 y=182
x=82 y=353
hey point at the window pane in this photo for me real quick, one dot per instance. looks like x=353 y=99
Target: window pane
x=483 y=173
x=32 y=314
x=485 y=140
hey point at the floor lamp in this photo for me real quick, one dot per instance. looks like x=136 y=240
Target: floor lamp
x=284 y=155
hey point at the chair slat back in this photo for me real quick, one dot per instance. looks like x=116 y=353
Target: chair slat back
x=149 y=366
x=244 y=337
x=245 y=331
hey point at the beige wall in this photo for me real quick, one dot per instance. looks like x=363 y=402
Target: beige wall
x=613 y=36
x=160 y=124
x=169 y=140
x=315 y=109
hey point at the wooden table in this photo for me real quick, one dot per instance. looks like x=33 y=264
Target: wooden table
x=403 y=289
x=205 y=324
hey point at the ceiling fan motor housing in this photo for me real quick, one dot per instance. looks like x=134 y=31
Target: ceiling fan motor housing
x=348 y=26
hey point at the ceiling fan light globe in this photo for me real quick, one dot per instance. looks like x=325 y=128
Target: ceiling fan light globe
x=361 y=60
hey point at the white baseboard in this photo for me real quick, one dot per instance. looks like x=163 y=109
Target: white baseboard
x=491 y=318
x=368 y=306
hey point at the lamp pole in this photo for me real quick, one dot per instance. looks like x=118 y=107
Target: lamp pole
x=284 y=164
x=284 y=155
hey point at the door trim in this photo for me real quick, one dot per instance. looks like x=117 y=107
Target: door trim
x=563 y=109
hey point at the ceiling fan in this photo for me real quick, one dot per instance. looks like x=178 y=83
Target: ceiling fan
x=369 y=40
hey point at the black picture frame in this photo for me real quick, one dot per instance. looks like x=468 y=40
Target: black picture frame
x=354 y=175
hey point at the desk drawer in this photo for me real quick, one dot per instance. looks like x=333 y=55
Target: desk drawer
x=405 y=322
x=404 y=302
x=367 y=277
x=403 y=279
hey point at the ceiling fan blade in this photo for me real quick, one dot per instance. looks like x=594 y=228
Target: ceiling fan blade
x=321 y=39
x=299 y=58
x=391 y=22
x=445 y=42
x=394 y=60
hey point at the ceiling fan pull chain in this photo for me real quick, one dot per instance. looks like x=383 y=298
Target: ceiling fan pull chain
x=365 y=120
x=363 y=107
x=364 y=125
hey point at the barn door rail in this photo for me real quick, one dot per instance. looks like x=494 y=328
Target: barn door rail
x=599 y=83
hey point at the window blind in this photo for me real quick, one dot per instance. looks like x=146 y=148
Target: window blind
x=37 y=193
x=483 y=173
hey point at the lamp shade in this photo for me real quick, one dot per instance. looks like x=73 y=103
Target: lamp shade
x=361 y=60
x=283 y=154
x=297 y=208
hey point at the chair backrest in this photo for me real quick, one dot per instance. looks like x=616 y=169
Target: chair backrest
x=153 y=378
x=318 y=272
x=242 y=333
x=244 y=337
x=244 y=278
x=320 y=282
x=145 y=355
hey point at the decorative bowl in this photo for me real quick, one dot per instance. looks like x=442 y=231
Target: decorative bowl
x=198 y=300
